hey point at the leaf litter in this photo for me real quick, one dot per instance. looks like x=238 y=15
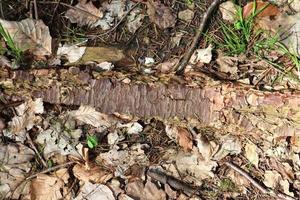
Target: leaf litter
x=188 y=155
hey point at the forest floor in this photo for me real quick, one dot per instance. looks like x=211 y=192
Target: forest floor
x=133 y=99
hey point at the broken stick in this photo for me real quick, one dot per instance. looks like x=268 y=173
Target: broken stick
x=179 y=68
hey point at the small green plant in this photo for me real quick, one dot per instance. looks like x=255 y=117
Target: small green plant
x=227 y=185
x=236 y=37
x=15 y=51
x=189 y=2
x=74 y=35
x=92 y=141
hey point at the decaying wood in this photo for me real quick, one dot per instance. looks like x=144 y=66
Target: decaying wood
x=237 y=107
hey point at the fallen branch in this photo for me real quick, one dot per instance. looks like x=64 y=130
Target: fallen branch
x=259 y=186
x=173 y=182
x=179 y=68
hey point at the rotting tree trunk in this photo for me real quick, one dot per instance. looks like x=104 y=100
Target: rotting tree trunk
x=227 y=105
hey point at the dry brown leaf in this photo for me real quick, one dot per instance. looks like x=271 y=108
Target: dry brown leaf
x=268 y=11
x=160 y=14
x=30 y=34
x=88 y=14
x=50 y=187
x=89 y=115
x=185 y=139
x=149 y=191
x=167 y=67
x=95 y=192
x=95 y=174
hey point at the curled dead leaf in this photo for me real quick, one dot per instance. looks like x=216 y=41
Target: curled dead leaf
x=267 y=9
x=95 y=174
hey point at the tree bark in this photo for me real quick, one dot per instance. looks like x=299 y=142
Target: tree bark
x=229 y=106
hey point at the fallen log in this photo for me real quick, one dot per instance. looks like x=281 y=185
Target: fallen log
x=230 y=105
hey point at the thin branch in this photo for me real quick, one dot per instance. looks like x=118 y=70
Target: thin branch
x=259 y=186
x=179 y=68
x=35 y=10
x=50 y=169
x=173 y=182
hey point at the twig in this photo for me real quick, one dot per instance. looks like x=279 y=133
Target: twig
x=173 y=182
x=50 y=169
x=1 y=10
x=258 y=185
x=35 y=10
x=54 y=12
x=35 y=150
x=179 y=68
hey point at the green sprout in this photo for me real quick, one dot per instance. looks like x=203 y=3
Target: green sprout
x=92 y=141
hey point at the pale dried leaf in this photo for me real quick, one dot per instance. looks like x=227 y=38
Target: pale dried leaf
x=54 y=142
x=230 y=145
x=50 y=187
x=227 y=65
x=132 y=127
x=205 y=147
x=94 y=174
x=202 y=55
x=186 y=15
x=31 y=107
x=15 y=166
x=135 y=20
x=71 y=52
x=121 y=160
x=30 y=34
x=89 y=115
x=175 y=40
x=25 y=120
x=91 y=191
x=160 y=14
x=88 y=15
x=107 y=66
x=149 y=191
x=189 y=164
x=271 y=178
x=286 y=187
x=228 y=10
x=251 y=153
